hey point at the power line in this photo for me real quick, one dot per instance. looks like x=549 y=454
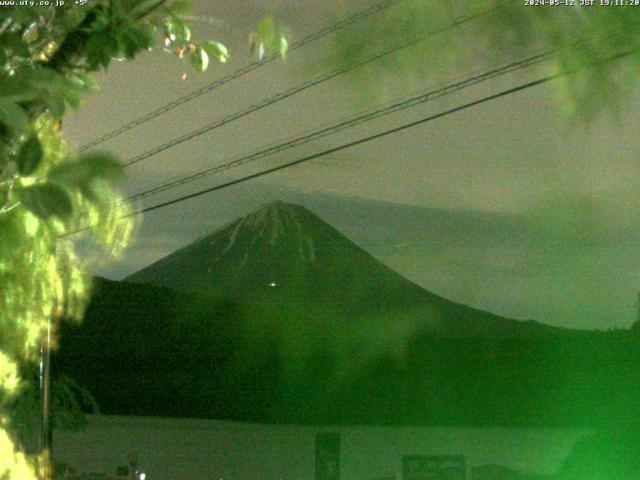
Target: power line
x=238 y=73
x=348 y=145
x=362 y=140
x=351 y=122
x=297 y=89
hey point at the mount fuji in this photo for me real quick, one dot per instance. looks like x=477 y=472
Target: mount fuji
x=282 y=253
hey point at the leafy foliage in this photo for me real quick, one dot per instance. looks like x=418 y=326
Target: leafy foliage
x=29 y=156
x=269 y=37
x=216 y=50
x=69 y=403
x=598 y=48
x=48 y=198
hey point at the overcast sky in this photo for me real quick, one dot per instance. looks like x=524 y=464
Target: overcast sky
x=506 y=206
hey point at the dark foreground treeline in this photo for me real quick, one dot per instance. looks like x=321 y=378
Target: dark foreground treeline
x=149 y=351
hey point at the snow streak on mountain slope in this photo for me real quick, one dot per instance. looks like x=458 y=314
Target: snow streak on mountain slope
x=281 y=250
x=283 y=254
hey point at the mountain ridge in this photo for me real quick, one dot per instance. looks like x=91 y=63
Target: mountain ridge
x=146 y=350
x=283 y=253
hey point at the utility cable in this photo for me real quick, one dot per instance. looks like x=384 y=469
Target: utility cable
x=238 y=73
x=406 y=126
x=351 y=122
x=297 y=89
x=348 y=145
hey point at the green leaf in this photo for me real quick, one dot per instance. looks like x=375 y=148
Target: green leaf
x=55 y=104
x=15 y=90
x=46 y=200
x=179 y=28
x=75 y=86
x=103 y=165
x=94 y=51
x=90 y=83
x=14 y=116
x=133 y=39
x=70 y=173
x=43 y=78
x=180 y=8
x=184 y=32
x=102 y=20
x=72 y=97
x=200 y=59
x=100 y=48
x=143 y=7
x=140 y=37
x=216 y=50
x=29 y=156
x=170 y=29
x=267 y=30
x=94 y=196
x=50 y=86
x=13 y=41
x=283 y=47
x=81 y=82
x=73 y=81
x=80 y=172
x=31 y=33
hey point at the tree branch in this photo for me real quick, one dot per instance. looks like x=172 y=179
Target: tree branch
x=151 y=9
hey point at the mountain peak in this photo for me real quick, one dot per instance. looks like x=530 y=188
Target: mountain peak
x=283 y=254
x=276 y=218
x=281 y=205
x=281 y=250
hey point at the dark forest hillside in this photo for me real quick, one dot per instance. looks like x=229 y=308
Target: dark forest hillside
x=144 y=350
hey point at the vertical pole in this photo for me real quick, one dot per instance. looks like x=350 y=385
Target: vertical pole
x=45 y=387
